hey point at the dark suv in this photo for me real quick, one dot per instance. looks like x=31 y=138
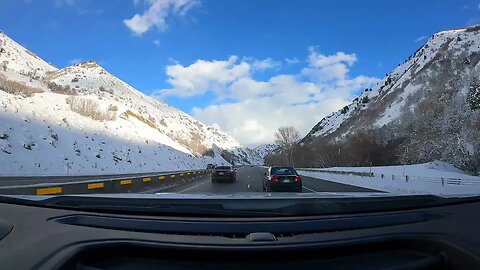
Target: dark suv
x=225 y=174
x=282 y=179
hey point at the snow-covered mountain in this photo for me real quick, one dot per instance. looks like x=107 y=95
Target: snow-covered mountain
x=426 y=103
x=265 y=149
x=83 y=120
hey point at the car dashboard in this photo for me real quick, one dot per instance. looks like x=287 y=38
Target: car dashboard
x=441 y=237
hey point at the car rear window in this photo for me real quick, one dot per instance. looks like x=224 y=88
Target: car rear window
x=223 y=168
x=283 y=171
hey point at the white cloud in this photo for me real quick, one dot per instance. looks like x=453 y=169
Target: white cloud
x=156 y=14
x=319 y=60
x=255 y=109
x=254 y=121
x=203 y=76
x=265 y=64
x=292 y=61
x=421 y=38
x=323 y=68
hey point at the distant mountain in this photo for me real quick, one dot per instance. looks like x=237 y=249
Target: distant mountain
x=425 y=109
x=83 y=120
x=265 y=149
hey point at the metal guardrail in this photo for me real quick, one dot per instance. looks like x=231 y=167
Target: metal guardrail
x=102 y=185
x=407 y=178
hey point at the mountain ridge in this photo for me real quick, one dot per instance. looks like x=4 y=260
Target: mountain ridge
x=88 y=121
x=421 y=111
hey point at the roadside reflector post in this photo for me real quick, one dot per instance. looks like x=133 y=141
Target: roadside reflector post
x=443 y=182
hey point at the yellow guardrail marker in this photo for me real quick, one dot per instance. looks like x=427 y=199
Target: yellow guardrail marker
x=172 y=176
x=147 y=179
x=161 y=177
x=48 y=191
x=95 y=185
x=126 y=182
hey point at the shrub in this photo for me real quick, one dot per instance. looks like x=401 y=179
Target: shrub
x=17 y=88
x=60 y=89
x=89 y=108
x=112 y=108
x=128 y=113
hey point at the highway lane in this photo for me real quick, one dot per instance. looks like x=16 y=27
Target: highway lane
x=249 y=179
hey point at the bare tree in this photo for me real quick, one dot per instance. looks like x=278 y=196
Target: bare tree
x=286 y=137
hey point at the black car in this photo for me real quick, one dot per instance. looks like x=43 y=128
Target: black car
x=224 y=174
x=210 y=166
x=282 y=179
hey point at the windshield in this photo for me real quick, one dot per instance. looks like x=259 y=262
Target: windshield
x=283 y=170
x=223 y=168
x=265 y=101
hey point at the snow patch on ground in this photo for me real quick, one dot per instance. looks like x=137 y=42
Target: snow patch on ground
x=422 y=178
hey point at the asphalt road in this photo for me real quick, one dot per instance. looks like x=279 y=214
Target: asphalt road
x=249 y=179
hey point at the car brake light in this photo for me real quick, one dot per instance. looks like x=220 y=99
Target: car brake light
x=298 y=178
x=274 y=178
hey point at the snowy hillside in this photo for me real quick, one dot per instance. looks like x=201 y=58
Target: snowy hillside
x=15 y=58
x=425 y=109
x=83 y=120
x=399 y=84
x=265 y=149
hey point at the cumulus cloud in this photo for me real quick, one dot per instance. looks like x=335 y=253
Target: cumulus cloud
x=202 y=76
x=324 y=68
x=265 y=64
x=292 y=61
x=156 y=14
x=316 y=59
x=256 y=108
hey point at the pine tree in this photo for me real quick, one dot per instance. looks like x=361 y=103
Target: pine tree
x=473 y=95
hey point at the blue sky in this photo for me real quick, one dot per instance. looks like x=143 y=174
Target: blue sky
x=247 y=67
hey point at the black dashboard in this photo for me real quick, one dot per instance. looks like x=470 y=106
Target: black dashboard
x=440 y=237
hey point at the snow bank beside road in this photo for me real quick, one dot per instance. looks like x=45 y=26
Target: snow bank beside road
x=430 y=169
x=410 y=179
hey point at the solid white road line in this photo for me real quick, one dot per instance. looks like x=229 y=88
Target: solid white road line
x=309 y=189
x=194 y=186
